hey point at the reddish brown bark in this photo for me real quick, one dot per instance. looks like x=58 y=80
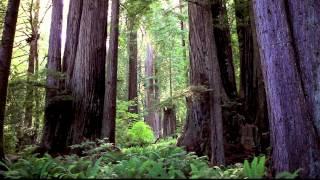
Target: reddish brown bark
x=203 y=131
x=6 y=47
x=53 y=112
x=109 y=113
x=252 y=89
x=88 y=78
x=73 y=27
x=224 y=49
x=169 y=121
x=133 y=62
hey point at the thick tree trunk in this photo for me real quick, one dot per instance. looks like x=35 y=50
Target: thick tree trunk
x=133 y=61
x=304 y=19
x=53 y=113
x=203 y=131
x=57 y=126
x=224 y=49
x=252 y=89
x=88 y=78
x=152 y=117
x=73 y=27
x=6 y=47
x=109 y=113
x=294 y=137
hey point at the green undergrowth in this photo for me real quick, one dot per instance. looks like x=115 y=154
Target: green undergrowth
x=102 y=160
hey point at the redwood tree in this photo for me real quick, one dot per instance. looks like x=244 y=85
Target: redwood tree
x=203 y=131
x=133 y=62
x=88 y=78
x=6 y=47
x=252 y=89
x=224 y=49
x=152 y=116
x=287 y=33
x=109 y=113
x=53 y=111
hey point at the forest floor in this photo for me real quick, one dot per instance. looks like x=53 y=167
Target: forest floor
x=164 y=160
x=102 y=160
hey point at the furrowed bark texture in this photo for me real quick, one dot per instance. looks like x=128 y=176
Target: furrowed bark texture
x=57 y=126
x=73 y=27
x=252 y=89
x=203 y=131
x=51 y=139
x=6 y=47
x=133 y=62
x=169 y=121
x=304 y=19
x=109 y=113
x=293 y=134
x=224 y=49
x=88 y=78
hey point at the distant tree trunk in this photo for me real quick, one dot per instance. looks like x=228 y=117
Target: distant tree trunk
x=169 y=121
x=169 y=117
x=203 y=131
x=152 y=117
x=53 y=111
x=88 y=78
x=294 y=136
x=224 y=49
x=6 y=47
x=133 y=61
x=110 y=99
x=252 y=89
x=183 y=40
x=33 y=57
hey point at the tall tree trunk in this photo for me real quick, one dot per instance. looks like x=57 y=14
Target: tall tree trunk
x=294 y=137
x=73 y=27
x=88 y=78
x=183 y=39
x=33 y=57
x=53 y=112
x=133 y=61
x=110 y=99
x=169 y=112
x=224 y=49
x=152 y=117
x=6 y=47
x=304 y=19
x=203 y=131
x=57 y=126
x=252 y=89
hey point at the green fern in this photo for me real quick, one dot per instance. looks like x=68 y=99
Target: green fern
x=256 y=169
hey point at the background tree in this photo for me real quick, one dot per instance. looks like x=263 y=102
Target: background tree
x=110 y=99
